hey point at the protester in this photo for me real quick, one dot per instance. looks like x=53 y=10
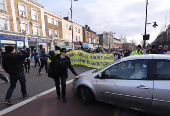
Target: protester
x=127 y=53
x=27 y=64
x=159 y=49
x=36 y=58
x=165 y=50
x=13 y=65
x=116 y=56
x=138 y=51
x=43 y=59
x=143 y=50
x=59 y=66
x=51 y=54
x=153 y=46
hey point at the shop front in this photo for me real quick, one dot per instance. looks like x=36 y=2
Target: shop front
x=44 y=43
x=13 y=40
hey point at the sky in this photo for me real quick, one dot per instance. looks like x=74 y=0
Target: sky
x=125 y=18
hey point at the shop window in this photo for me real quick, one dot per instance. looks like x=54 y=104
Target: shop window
x=35 y=30
x=50 y=32
x=34 y=14
x=50 y=20
x=22 y=10
x=56 y=22
x=3 y=24
x=56 y=34
x=66 y=26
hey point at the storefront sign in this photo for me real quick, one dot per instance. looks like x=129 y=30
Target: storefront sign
x=41 y=40
x=32 y=39
x=11 y=37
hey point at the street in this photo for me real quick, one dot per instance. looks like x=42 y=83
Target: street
x=49 y=105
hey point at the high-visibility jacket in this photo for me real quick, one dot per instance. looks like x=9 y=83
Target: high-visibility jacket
x=136 y=52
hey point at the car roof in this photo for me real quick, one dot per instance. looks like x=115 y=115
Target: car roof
x=147 y=56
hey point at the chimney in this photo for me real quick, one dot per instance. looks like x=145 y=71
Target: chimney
x=66 y=18
x=86 y=27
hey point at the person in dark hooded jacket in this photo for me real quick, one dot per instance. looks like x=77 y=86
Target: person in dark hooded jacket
x=13 y=65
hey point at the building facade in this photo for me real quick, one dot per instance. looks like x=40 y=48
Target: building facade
x=22 y=24
x=53 y=29
x=67 y=32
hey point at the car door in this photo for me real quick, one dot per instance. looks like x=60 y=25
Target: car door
x=122 y=86
x=161 y=95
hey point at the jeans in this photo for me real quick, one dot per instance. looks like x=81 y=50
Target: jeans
x=63 y=85
x=42 y=65
x=27 y=66
x=13 y=81
x=36 y=61
x=3 y=77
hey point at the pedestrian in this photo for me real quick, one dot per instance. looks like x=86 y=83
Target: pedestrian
x=36 y=58
x=137 y=52
x=165 y=50
x=59 y=66
x=159 y=49
x=13 y=65
x=51 y=54
x=143 y=50
x=4 y=78
x=116 y=56
x=27 y=63
x=153 y=46
x=43 y=59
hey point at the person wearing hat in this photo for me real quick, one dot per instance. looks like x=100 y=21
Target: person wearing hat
x=165 y=50
x=12 y=63
x=153 y=46
x=59 y=69
x=159 y=49
x=137 y=52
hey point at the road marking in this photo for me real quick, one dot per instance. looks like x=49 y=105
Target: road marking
x=117 y=111
x=11 y=108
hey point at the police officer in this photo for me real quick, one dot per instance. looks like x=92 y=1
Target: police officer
x=137 y=52
x=59 y=66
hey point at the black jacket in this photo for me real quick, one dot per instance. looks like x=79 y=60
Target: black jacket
x=13 y=63
x=51 y=55
x=60 y=66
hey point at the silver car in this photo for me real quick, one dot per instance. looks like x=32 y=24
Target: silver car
x=139 y=82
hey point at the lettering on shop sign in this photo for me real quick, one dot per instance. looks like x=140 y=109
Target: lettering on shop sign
x=10 y=37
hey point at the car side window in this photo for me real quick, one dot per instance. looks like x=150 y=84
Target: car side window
x=162 y=69
x=135 y=69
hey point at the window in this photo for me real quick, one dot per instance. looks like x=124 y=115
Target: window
x=2 y=5
x=94 y=41
x=50 y=20
x=87 y=33
x=34 y=14
x=79 y=31
x=76 y=29
x=92 y=35
x=22 y=10
x=56 y=22
x=162 y=69
x=24 y=27
x=35 y=30
x=67 y=36
x=3 y=24
x=76 y=38
x=66 y=26
x=133 y=70
x=50 y=32
x=79 y=38
x=56 y=34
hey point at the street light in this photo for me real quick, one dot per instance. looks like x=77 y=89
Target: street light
x=24 y=32
x=72 y=22
x=52 y=42
x=146 y=37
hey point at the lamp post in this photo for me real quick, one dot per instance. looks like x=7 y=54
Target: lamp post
x=72 y=22
x=52 y=42
x=146 y=37
x=24 y=32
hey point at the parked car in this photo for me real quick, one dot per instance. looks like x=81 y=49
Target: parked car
x=140 y=82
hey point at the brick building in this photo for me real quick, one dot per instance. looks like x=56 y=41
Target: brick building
x=22 y=23
x=53 y=28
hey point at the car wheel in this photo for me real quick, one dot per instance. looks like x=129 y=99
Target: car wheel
x=86 y=95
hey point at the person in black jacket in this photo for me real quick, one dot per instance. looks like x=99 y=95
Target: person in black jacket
x=59 y=66
x=51 y=54
x=13 y=65
x=43 y=59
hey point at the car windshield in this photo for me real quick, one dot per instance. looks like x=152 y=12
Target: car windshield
x=99 y=69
